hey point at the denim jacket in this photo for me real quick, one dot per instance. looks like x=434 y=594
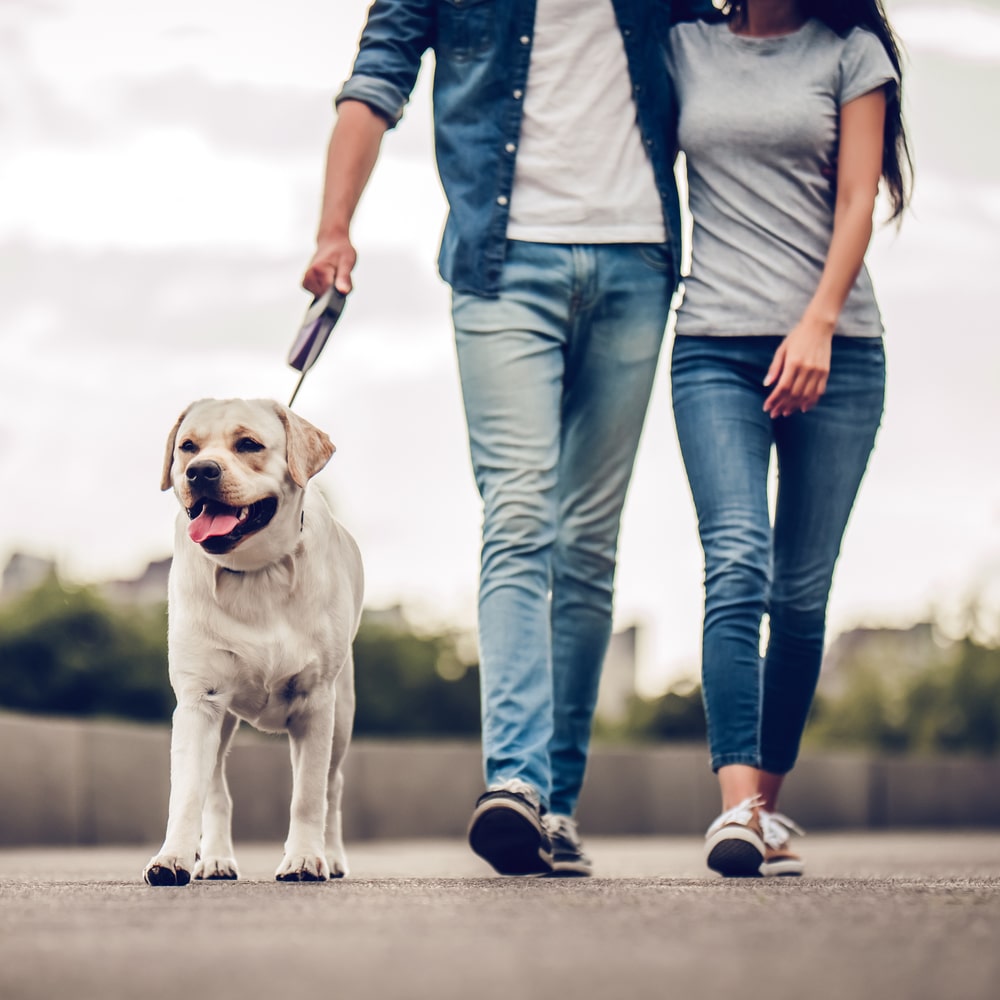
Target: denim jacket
x=482 y=49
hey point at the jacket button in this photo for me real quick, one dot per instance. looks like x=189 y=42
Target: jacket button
x=502 y=200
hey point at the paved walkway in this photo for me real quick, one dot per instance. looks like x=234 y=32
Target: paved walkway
x=880 y=916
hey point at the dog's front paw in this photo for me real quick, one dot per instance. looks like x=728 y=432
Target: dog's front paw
x=296 y=867
x=166 y=869
x=216 y=869
x=338 y=865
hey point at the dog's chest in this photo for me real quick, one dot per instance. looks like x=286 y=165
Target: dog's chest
x=271 y=701
x=275 y=670
x=268 y=649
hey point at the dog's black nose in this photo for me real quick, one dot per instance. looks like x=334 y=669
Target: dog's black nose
x=203 y=472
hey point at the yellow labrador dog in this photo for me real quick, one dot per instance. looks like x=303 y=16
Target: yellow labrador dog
x=265 y=598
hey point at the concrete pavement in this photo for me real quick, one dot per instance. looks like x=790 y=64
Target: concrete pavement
x=893 y=915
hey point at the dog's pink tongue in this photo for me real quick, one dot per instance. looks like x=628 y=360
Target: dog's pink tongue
x=207 y=525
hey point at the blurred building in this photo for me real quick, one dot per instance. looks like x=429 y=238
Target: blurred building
x=23 y=573
x=895 y=652
x=618 y=679
x=392 y=617
x=150 y=587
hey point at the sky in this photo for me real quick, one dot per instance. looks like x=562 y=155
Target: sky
x=160 y=175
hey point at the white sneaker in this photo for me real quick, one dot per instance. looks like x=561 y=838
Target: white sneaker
x=734 y=843
x=778 y=858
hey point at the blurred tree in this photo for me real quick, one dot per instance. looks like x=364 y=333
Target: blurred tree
x=957 y=708
x=866 y=715
x=945 y=700
x=411 y=685
x=67 y=651
x=676 y=716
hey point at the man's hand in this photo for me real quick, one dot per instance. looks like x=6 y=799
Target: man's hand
x=332 y=264
x=799 y=370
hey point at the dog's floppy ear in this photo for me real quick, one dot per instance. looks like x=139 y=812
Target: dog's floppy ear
x=166 y=481
x=307 y=448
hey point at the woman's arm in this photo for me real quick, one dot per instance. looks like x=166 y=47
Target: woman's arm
x=801 y=364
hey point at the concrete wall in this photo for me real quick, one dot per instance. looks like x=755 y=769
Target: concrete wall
x=73 y=782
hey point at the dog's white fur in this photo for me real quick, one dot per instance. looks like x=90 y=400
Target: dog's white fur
x=261 y=633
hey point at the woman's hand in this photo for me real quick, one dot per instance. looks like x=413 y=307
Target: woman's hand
x=800 y=369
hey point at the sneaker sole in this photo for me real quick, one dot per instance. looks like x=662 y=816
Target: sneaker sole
x=507 y=838
x=786 y=868
x=570 y=869
x=734 y=852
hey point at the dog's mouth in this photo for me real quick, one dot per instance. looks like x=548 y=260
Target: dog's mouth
x=217 y=527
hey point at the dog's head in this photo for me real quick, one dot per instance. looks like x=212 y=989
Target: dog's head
x=239 y=468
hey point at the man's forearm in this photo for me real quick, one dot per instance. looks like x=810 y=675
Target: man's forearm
x=350 y=159
x=351 y=156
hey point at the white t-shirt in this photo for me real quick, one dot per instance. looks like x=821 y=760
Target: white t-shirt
x=582 y=174
x=759 y=126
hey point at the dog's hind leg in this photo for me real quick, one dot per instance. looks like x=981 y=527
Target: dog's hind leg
x=336 y=856
x=218 y=860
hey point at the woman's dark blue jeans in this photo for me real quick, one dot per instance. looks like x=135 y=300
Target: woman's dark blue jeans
x=756 y=706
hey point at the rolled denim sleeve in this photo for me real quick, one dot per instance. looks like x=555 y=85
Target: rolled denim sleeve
x=395 y=37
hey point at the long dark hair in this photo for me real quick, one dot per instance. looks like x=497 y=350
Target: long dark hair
x=841 y=16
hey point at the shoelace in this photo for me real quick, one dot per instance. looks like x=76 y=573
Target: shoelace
x=517 y=787
x=561 y=826
x=778 y=829
x=741 y=814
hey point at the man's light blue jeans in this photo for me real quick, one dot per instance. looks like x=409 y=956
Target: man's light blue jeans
x=556 y=374
x=757 y=707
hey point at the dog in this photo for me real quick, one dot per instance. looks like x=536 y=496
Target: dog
x=264 y=602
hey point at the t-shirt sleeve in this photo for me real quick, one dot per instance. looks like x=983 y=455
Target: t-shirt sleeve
x=864 y=66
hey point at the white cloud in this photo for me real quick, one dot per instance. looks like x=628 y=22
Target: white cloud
x=299 y=42
x=159 y=188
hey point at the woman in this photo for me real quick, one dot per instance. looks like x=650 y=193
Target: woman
x=790 y=117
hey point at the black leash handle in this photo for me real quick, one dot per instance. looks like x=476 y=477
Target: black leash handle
x=320 y=319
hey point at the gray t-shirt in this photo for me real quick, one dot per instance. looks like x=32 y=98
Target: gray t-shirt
x=759 y=125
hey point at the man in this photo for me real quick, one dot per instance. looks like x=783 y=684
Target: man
x=554 y=126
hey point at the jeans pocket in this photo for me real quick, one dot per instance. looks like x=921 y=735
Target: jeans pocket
x=658 y=256
x=466 y=28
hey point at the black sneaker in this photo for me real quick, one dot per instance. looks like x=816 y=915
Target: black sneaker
x=568 y=859
x=506 y=830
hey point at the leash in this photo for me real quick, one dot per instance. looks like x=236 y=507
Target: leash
x=320 y=319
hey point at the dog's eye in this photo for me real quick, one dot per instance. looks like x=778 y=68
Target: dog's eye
x=188 y=446
x=247 y=444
